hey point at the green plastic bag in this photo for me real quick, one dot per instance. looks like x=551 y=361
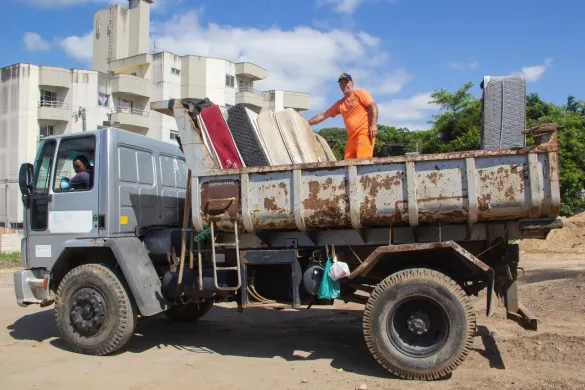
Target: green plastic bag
x=328 y=289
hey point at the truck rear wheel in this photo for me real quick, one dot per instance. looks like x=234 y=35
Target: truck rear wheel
x=189 y=312
x=93 y=310
x=419 y=324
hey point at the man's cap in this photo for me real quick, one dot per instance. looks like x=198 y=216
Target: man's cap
x=345 y=76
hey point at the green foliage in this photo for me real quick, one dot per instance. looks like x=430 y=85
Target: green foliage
x=10 y=259
x=457 y=128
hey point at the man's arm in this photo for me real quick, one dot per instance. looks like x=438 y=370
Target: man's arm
x=373 y=117
x=317 y=119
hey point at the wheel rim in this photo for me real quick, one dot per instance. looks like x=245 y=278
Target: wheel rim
x=418 y=326
x=88 y=311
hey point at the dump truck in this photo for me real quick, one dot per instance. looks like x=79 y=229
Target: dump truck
x=161 y=230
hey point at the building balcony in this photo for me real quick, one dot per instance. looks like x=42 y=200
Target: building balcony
x=54 y=77
x=279 y=100
x=296 y=100
x=131 y=119
x=131 y=85
x=251 y=71
x=50 y=110
x=249 y=97
x=128 y=64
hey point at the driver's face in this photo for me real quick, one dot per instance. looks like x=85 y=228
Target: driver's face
x=78 y=166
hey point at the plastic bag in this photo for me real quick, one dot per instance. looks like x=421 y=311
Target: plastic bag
x=339 y=270
x=329 y=289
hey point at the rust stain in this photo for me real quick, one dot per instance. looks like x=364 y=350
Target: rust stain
x=271 y=205
x=326 y=211
x=386 y=182
x=284 y=187
x=510 y=194
x=483 y=203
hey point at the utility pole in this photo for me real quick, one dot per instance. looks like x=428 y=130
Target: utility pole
x=6 y=204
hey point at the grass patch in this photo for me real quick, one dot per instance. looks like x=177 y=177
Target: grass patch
x=11 y=259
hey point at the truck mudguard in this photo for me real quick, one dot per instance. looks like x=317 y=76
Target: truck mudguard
x=140 y=274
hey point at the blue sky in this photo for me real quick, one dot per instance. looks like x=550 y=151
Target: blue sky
x=401 y=50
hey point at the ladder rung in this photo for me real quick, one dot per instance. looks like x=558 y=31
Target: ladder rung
x=226 y=268
x=225 y=244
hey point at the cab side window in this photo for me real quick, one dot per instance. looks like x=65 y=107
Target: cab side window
x=74 y=169
x=42 y=174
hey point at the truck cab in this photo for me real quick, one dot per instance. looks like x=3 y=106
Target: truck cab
x=84 y=189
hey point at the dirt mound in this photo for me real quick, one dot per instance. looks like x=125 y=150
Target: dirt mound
x=571 y=238
x=551 y=348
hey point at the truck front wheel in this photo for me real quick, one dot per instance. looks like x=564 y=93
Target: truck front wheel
x=93 y=310
x=419 y=324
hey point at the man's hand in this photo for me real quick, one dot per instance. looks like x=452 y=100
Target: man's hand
x=373 y=131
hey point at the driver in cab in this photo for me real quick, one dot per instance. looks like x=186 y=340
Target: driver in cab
x=82 y=169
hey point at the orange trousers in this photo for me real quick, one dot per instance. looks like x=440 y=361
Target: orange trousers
x=359 y=146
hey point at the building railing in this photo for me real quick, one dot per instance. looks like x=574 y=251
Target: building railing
x=131 y=111
x=54 y=104
x=249 y=89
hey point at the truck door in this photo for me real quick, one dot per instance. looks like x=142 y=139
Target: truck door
x=64 y=206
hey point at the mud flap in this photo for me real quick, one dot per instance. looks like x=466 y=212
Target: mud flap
x=140 y=274
x=491 y=292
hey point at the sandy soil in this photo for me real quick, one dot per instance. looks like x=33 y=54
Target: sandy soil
x=322 y=348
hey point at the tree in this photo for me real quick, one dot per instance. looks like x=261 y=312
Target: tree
x=458 y=126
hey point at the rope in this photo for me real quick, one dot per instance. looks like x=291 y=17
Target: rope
x=203 y=235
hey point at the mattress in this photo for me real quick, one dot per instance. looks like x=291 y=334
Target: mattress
x=323 y=150
x=241 y=124
x=297 y=135
x=221 y=138
x=503 y=112
x=206 y=141
x=274 y=143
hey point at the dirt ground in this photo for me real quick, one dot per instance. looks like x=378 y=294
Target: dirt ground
x=321 y=348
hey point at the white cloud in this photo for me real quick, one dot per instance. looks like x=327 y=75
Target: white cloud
x=411 y=112
x=156 y=5
x=534 y=73
x=79 y=48
x=301 y=59
x=347 y=6
x=342 y=6
x=34 y=42
x=390 y=83
x=471 y=64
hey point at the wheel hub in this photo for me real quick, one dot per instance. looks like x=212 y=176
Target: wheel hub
x=418 y=323
x=418 y=326
x=88 y=311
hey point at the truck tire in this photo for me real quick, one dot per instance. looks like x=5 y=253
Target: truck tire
x=189 y=312
x=94 y=311
x=419 y=324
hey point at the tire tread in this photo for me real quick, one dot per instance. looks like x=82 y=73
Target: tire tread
x=426 y=275
x=125 y=313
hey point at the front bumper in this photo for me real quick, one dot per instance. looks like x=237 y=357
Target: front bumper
x=31 y=286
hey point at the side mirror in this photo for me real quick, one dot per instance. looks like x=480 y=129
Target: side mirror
x=25 y=179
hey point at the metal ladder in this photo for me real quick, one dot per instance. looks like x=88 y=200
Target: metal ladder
x=226 y=245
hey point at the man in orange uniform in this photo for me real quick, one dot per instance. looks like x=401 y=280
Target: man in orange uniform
x=360 y=115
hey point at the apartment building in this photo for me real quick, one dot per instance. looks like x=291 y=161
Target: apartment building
x=125 y=79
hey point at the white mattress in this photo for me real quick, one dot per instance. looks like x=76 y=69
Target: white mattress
x=323 y=149
x=297 y=135
x=270 y=134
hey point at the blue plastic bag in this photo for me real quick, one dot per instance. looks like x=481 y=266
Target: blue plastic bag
x=328 y=289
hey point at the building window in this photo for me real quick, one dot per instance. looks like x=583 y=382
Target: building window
x=48 y=98
x=174 y=135
x=103 y=99
x=230 y=81
x=125 y=105
x=46 y=131
x=175 y=71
